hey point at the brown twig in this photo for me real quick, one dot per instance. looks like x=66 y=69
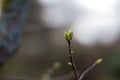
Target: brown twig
x=72 y=60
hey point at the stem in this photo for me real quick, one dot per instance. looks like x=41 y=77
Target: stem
x=86 y=71
x=72 y=60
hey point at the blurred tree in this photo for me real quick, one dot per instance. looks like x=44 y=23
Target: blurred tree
x=13 y=17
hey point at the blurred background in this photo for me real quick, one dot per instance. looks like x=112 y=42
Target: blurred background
x=32 y=45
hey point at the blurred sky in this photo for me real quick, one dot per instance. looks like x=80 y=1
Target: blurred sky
x=93 y=21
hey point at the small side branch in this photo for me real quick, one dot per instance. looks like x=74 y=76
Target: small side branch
x=91 y=67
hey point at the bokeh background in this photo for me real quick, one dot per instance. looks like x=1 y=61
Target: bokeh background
x=32 y=45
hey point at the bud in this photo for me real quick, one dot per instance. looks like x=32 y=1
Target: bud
x=99 y=61
x=69 y=63
x=70 y=34
x=66 y=35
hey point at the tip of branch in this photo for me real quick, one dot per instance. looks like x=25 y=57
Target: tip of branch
x=68 y=35
x=99 y=61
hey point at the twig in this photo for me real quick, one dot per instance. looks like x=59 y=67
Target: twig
x=86 y=71
x=68 y=36
x=72 y=60
x=91 y=67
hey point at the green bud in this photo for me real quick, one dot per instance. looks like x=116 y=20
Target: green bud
x=66 y=36
x=99 y=61
x=70 y=34
x=69 y=63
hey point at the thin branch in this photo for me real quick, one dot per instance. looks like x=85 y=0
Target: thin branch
x=72 y=60
x=86 y=71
